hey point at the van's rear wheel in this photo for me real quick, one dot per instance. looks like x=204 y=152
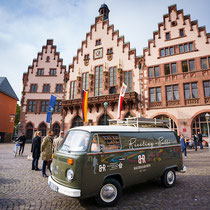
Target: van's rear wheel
x=168 y=179
x=109 y=193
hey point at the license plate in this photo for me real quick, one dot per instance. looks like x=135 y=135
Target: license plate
x=53 y=187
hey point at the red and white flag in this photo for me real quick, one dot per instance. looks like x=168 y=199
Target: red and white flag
x=121 y=97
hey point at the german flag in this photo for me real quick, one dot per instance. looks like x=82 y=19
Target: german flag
x=84 y=105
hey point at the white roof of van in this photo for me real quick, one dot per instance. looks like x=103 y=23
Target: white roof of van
x=116 y=128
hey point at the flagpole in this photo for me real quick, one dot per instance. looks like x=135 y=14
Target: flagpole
x=51 y=121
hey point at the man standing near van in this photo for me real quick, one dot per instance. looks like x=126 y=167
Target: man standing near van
x=46 y=149
x=58 y=141
x=183 y=145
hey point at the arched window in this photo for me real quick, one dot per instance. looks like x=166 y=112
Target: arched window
x=43 y=129
x=56 y=129
x=165 y=117
x=77 y=121
x=29 y=131
x=200 y=124
x=103 y=119
x=128 y=115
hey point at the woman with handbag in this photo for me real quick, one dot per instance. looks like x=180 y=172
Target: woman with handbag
x=46 y=152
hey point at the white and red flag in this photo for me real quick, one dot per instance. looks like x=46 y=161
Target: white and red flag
x=121 y=97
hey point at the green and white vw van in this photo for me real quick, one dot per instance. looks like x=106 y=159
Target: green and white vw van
x=101 y=160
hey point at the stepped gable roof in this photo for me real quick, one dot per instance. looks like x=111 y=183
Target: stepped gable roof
x=6 y=88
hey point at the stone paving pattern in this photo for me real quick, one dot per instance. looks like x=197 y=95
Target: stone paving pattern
x=22 y=188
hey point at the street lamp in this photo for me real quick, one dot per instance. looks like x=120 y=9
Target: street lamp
x=105 y=107
x=207 y=119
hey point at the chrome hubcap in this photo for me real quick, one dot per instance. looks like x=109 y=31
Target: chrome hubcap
x=108 y=192
x=170 y=177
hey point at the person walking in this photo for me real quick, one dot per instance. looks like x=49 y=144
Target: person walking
x=200 y=140
x=46 y=151
x=22 y=140
x=36 y=149
x=183 y=145
x=58 y=141
x=195 y=141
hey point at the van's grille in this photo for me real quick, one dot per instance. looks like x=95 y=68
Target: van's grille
x=60 y=159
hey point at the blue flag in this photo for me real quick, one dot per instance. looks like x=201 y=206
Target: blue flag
x=50 y=108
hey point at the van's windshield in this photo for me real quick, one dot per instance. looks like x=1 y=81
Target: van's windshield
x=75 y=141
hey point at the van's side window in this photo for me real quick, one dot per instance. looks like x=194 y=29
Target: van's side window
x=95 y=146
x=109 y=141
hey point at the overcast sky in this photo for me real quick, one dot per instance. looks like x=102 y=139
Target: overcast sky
x=25 y=25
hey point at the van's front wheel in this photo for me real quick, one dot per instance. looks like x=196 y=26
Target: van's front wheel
x=168 y=179
x=109 y=193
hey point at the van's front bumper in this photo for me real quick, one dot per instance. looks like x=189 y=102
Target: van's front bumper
x=62 y=189
x=184 y=169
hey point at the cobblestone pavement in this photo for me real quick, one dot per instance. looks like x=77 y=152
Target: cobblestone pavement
x=22 y=188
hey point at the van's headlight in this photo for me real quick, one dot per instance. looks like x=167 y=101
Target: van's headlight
x=69 y=175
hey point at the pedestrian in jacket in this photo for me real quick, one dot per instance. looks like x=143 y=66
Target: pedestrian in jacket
x=36 y=149
x=22 y=140
x=46 y=151
x=195 y=141
x=200 y=140
x=183 y=145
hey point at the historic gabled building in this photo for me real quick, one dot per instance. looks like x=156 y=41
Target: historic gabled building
x=176 y=74
x=102 y=64
x=46 y=76
x=170 y=80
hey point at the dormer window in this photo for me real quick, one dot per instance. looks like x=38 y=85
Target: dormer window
x=181 y=32
x=86 y=57
x=167 y=36
x=109 y=51
x=98 y=42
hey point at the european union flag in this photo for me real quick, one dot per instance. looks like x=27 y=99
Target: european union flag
x=50 y=108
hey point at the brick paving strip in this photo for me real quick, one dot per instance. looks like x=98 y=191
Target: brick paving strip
x=22 y=188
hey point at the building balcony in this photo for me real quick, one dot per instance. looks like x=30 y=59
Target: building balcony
x=173 y=103
x=155 y=104
x=191 y=101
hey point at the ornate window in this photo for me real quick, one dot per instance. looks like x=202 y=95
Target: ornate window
x=170 y=68
x=44 y=106
x=206 y=86
x=46 y=88
x=77 y=121
x=56 y=129
x=128 y=80
x=33 y=88
x=154 y=71
x=57 y=107
x=172 y=93
x=73 y=90
x=29 y=131
x=98 y=42
x=85 y=81
x=199 y=124
x=167 y=36
x=181 y=32
x=43 y=129
x=190 y=90
x=52 y=72
x=155 y=94
x=40 y=72
x=31 y=105
x=59 y=88
x=104 y=120
x=203 y=63
x=98 y=80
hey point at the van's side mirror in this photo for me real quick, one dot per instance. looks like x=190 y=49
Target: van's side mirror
x=102 y=148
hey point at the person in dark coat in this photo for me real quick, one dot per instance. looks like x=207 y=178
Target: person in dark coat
x=183 y=145
x=36 y=149
x=195 y=141
x=200 y=140
x=22 y=140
